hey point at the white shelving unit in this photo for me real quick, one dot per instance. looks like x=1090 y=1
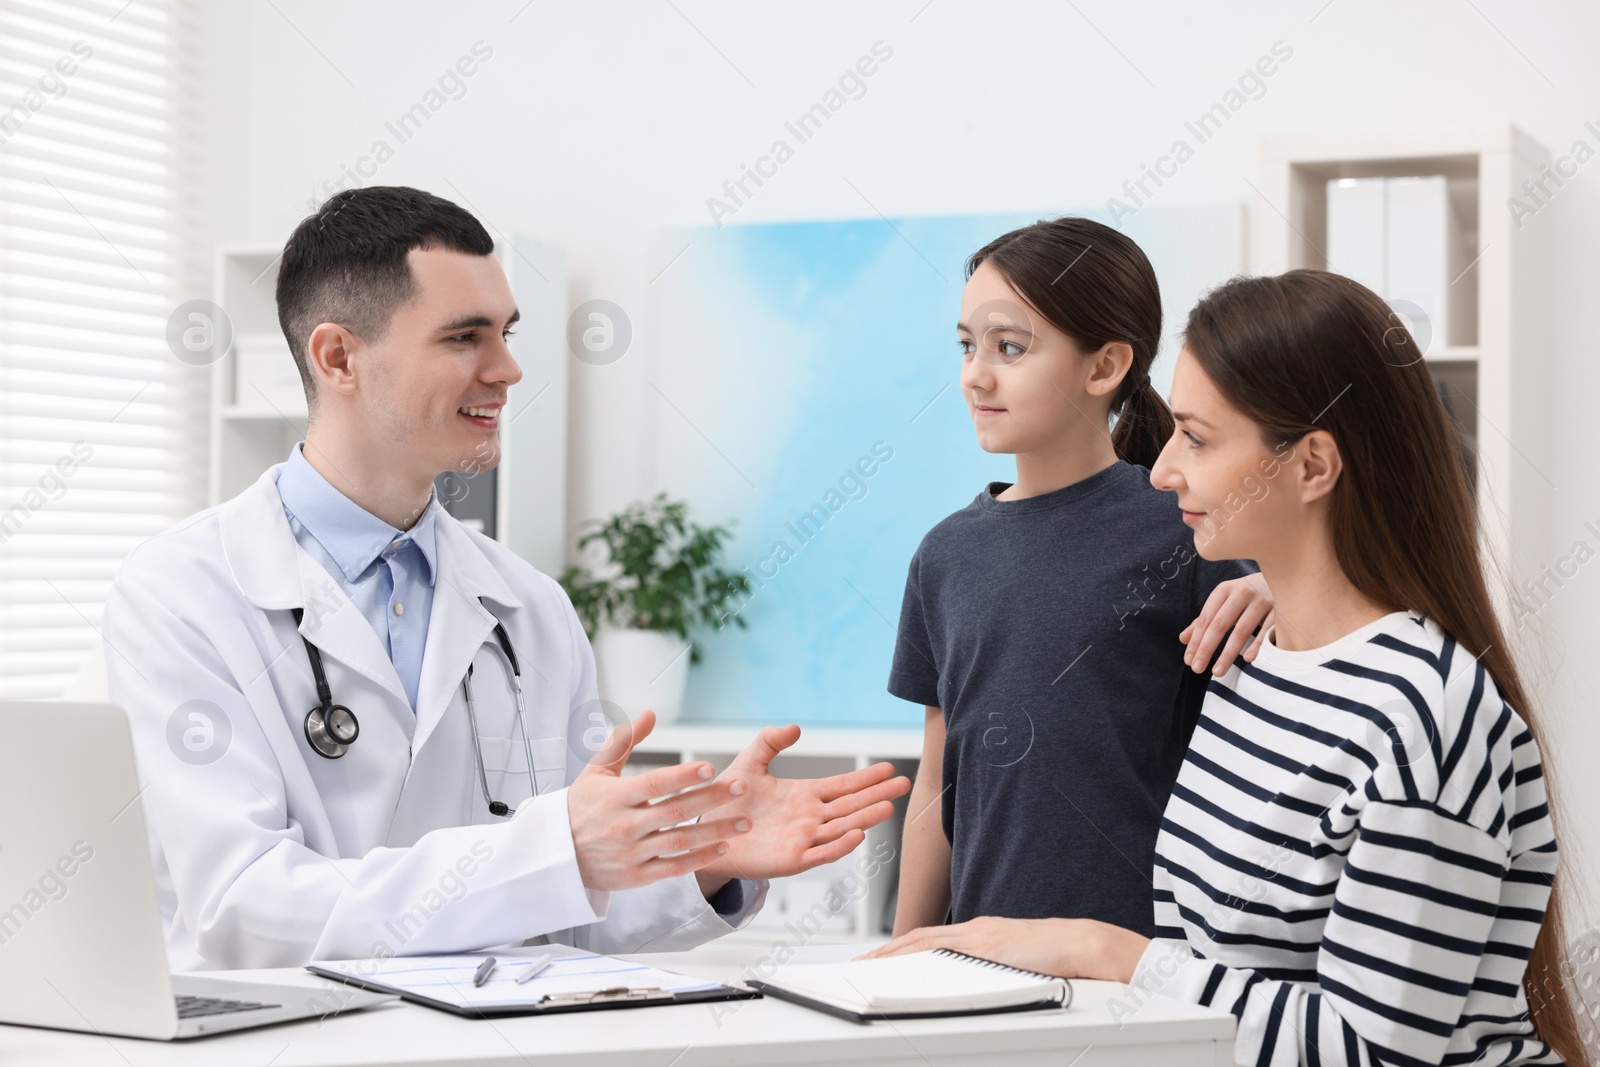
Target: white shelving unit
x=1496 y=370
x=258 y=411
x=800 y=910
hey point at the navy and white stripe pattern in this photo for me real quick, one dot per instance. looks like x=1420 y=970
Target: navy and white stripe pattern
x=1357 y=856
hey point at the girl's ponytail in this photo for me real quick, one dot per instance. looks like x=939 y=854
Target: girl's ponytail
x=1095 y=285
x=1144 y=423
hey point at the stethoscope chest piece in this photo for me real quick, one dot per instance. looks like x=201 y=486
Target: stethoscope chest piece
x=331 y=729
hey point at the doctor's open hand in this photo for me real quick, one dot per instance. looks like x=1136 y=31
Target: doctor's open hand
x=798 y=823
x=626 y=830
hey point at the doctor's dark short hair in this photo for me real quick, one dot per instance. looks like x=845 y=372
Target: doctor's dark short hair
x=346 y=264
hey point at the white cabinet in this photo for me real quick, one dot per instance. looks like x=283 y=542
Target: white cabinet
x=1493 y=372
x=1405 y=239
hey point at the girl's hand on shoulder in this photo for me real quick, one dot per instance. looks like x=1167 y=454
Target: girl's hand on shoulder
x=1234 y=611
x=1071 y=948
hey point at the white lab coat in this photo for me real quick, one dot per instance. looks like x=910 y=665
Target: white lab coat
x=273 y=855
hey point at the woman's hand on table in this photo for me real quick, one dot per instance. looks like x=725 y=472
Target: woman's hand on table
x=1071 y=948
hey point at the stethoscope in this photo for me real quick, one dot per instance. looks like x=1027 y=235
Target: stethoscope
x=332 y=728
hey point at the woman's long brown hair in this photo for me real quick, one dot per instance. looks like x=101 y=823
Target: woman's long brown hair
x=1095 y=285
x=1312 y=350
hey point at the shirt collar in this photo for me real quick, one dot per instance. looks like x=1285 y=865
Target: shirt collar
x=351 y=535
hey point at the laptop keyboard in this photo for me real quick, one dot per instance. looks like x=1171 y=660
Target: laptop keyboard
x=193 y=1007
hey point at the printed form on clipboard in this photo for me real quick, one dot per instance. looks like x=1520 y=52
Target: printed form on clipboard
x=574 y=980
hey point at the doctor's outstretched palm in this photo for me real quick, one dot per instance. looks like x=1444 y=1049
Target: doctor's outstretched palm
x=756 y=825
x=798 y=823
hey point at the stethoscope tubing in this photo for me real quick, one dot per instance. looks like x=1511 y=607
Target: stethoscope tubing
x=324 y=737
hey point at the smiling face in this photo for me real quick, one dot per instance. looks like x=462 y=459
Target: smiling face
x=1237 y=492
x=1027 y=384
x=434 y=387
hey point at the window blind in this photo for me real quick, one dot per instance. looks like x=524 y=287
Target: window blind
x=102 y=428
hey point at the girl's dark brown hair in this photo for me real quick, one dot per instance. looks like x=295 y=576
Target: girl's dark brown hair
x=1312 y=350
x=1096 y=286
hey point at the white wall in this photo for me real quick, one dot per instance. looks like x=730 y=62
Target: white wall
x=592 y=125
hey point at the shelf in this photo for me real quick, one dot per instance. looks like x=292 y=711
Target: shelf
x=706 y=739
x=1303 y=187
x=1496 y=385
x=1363 y=145
x=1453 y=354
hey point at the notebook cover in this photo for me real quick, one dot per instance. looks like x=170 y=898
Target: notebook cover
x=865 y=1017
x=862 y=1017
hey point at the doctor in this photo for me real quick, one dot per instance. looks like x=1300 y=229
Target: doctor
x=384 y=810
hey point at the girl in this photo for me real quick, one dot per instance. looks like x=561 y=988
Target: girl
x=1358 y=859
x=1040 y=625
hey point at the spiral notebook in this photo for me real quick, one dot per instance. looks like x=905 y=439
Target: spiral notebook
x=918 y=985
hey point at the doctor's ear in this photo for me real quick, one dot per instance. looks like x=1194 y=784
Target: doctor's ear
x=328 y=353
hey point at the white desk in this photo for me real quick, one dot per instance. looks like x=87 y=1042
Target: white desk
x=767 y=1032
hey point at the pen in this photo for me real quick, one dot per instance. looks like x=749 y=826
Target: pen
x=485 y=969
x=536 y=966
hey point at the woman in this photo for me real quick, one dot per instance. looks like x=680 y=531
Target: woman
x=1358 y=859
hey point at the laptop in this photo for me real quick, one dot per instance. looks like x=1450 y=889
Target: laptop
x=81 y=944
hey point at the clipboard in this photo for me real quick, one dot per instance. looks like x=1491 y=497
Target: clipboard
x=604 y=992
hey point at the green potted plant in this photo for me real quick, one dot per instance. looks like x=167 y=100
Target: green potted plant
x=657 y=578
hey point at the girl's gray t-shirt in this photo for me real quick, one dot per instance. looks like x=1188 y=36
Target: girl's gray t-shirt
x=1047 y=631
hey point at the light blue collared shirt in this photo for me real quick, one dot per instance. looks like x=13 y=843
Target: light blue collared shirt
x=388 y=574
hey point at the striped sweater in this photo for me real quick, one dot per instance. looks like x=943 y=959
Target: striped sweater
x=1356 y=857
